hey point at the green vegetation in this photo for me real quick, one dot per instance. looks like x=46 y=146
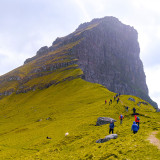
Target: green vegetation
x=73 y=107
x=42 y=70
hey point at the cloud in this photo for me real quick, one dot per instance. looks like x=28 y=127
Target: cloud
x=153 y=79
x=26 y=26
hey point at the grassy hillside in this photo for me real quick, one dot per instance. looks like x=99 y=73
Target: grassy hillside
x=73 y=106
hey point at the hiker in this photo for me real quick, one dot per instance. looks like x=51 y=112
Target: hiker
x=137 y=120
x=114 y=98
x=134 y=127
x=117 y=100
x=110 y=102
x=105 y=101
x=111 y=127
x=121 y=118
x=126 y=107
x=134 y=110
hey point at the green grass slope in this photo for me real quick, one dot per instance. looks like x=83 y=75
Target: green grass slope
x=73 y=106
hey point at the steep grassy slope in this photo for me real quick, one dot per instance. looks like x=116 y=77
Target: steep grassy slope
x=42 y=72
x=73 y=106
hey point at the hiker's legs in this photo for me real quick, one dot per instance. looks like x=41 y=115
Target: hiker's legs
x=134 y=132
x=110 y=130
x=120 y=121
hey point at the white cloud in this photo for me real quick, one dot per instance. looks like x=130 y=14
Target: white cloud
x=153 y=81
x=83 y=9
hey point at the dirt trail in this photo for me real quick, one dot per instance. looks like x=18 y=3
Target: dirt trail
x=155 y=141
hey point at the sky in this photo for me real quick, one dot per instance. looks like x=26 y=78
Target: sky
x=28 y=25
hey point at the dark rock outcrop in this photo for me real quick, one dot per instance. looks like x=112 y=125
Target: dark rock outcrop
x=131 y=99
x=104 y=120
x=139 y=103
x=107 y=138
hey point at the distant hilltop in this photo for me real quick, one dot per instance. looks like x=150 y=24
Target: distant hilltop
x=106 y=50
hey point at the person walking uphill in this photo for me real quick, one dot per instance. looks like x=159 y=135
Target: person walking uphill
x=137 y=120
x=111 y=127
x=121 y=118
x=117 y=100
x=134 y=127
x=134 y=110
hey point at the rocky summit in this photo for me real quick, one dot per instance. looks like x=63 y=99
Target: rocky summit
x=106 y=50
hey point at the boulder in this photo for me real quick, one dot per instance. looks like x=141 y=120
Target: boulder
x=49 y=118
x=139 y=103
x=131 y=99
x=39 y=120
x=107 y=138
x=104 y=120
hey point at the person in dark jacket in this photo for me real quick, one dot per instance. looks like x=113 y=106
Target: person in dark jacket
x=117 y=100
x=134 y=110
x=126 y=107
x=111 y=127
x=134 y=128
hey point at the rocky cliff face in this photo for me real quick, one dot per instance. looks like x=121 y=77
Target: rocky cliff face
x=109 y=55
x=107 y=52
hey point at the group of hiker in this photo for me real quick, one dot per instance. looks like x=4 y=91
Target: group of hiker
x=134 y=128
x=135 y=125
x=116 y=97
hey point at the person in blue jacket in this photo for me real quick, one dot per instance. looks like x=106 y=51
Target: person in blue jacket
x=111 y=127
x=134 y=128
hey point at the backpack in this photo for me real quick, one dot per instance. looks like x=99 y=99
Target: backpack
x=138 y=118
x=121 y=117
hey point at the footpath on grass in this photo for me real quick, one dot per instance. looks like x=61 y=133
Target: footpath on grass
x=155 y=141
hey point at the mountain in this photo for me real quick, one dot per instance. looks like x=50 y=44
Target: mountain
x=49 y=96
x=106 y=50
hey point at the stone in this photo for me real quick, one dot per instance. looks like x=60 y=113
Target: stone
x=39 y=120
x=139 y=103
x=107 y=138
x=49 y=118
x=104 y=120
x=131 y=99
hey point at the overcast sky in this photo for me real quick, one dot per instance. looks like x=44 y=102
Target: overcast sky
x=27 y=25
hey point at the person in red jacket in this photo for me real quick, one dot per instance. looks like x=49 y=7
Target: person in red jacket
x=121 y=118
x=137 y=120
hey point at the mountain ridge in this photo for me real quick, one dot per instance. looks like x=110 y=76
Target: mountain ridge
x=106 y=50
